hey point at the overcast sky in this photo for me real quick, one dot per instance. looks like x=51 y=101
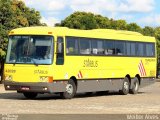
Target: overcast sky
x=143 y=12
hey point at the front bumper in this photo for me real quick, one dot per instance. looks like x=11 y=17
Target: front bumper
x=39 y=87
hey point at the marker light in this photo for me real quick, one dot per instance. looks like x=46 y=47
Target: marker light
x=12 y=32
x=49 y=32
x=50 y=79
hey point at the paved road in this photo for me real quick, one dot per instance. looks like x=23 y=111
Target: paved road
x=146 y=102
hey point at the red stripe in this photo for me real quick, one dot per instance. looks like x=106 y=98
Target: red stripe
x=140 y=69
x=143 y=68
x=80 y=74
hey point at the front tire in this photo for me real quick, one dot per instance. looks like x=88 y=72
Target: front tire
x=135 y=86
x=30 y=95
x=70 y=90
x=125 y=87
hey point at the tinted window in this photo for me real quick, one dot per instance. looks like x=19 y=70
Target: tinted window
x=140 y=49
x=97 y=47
x=109 y=48
x=150 y=49
x=72 y=45
x=133 y=49
x=120 y=47
x=85 y=46
x=128 y=48
x=60 y=51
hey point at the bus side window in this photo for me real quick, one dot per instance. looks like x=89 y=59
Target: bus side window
x=72 y=46
x=60 y=51
x=109 y=47
x=85 y=46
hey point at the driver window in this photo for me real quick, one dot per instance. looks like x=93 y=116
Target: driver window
x=60 y=51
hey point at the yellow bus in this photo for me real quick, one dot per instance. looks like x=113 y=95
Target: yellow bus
x=68 y=61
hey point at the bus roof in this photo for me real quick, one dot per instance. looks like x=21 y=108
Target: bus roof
x=95 y=33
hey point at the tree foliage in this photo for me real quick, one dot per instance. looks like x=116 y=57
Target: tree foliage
x=148 y=31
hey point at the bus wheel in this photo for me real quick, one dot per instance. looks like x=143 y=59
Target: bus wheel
x=125 y=87
x=70 y=90
x=135 y=87
x=30 y=95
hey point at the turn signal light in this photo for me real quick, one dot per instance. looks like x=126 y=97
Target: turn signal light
x=50 y=79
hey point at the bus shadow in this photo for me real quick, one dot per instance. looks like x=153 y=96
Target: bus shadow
x=98 y=94
x=18 y=96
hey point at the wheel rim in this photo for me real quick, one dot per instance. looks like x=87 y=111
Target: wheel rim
x=69 y=89
x=126 y=86
x=136 y=86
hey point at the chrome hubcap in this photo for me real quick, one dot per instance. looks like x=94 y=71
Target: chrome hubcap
x=69 y=89
x=126 y=86
x=136 y=86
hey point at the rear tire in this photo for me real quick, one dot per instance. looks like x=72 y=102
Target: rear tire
x=30 y=95
x=70 y=90
x=135 y=86
x=125 y=87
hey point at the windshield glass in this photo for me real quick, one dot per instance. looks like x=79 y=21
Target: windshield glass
x=30 y=50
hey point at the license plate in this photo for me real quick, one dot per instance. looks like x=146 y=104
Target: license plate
x=25 y=88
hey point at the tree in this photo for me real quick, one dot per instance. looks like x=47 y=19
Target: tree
x=102 y=22
x=118 y=24
x=134 y=27
x=157 y=36
x=83 y=20
x=80 y=20
x=148 y=31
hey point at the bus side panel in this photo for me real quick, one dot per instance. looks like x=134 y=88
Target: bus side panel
x=99 y=85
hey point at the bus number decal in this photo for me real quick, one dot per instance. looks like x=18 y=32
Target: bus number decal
x=10 y=71
x=40 y=72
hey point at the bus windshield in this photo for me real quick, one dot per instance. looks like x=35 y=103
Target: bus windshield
x=30 y=50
